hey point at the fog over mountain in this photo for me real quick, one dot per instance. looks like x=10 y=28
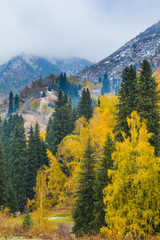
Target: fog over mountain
x=87 y=29
x=21 y=70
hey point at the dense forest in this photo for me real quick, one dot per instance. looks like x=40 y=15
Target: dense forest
x=102 y=161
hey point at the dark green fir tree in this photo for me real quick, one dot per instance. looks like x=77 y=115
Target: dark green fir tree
x=37 y=157
x=85 y=105
x=33 y=164
x=147 y=103
x=43 y=94
x=106 y=85
x=102 y=180
x=16 y=103
x=127 y=101
x=1 y=126
x=11 y=198
x=19 y=165
x=83 y=210
x=40 y=148
x=3 y=176
x=61 y=124
x=10 y=109
x=7 y=134
x=48 y=135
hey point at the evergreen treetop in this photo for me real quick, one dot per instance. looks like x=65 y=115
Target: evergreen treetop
x=83 y=211
x=19 y=165
x=127 y=100
x=62 y=122
x=10 y=109
x=102 y=180
x=85 y=105
x=148 y=102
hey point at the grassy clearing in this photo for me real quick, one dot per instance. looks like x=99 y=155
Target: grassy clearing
x=11 y=226
x=63 y=213
x=64 y=218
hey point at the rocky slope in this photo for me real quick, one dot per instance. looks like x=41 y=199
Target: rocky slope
x=145 y=45
x=23 y=69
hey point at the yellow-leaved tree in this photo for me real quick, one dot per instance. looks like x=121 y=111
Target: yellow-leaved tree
x=133 y=199
x=55 y=180
x=70 y=150
x=41 y=203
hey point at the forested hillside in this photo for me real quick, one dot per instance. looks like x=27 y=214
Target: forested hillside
x=21 y=70
x=101 y=162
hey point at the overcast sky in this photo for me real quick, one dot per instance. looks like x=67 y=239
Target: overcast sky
x=91 y=29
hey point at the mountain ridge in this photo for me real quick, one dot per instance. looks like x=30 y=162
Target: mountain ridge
x=21 y=70
x=145 y=45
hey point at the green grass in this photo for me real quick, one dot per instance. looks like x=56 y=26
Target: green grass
x=65 y=218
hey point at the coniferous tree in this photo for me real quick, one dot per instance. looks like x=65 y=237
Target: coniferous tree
x=33 y=164
x=48 y=135
x=83 y=211
x=40 y=148
x=106 y=85
x=63 y=82
x=16 y=103
x=37 y=157
x=102 y=180
x=19 y=164
x=147 y=102
x=11 y=198
x=10 y=110
x=62 y=123
x=7 y=134
x=27 y=220
x=1 y=126
x=127 y=100
x=85 y=105
x=49 y=89
x=3 y=176
x=43 y=94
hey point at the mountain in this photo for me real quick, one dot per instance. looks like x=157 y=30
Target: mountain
x=23 y=69
x=144 y=46
x=72 y=65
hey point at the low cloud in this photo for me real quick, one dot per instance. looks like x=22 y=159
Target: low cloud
x=85 y=28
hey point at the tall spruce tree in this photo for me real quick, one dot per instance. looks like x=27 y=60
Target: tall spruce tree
x=16 y=103
x=37 y=157
x=19 y=164
x=40 y=148
x=62 y=123
x=7 y=134
x=147 y=103
x=33 y=164
x=48 y=135
x=83 y=211
x=3 y=176
x=10 y=110
x=106 y=85
x=85 y=105
x=1 y=126
x=102 y=180
x=11 y=198
x=127 y=100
